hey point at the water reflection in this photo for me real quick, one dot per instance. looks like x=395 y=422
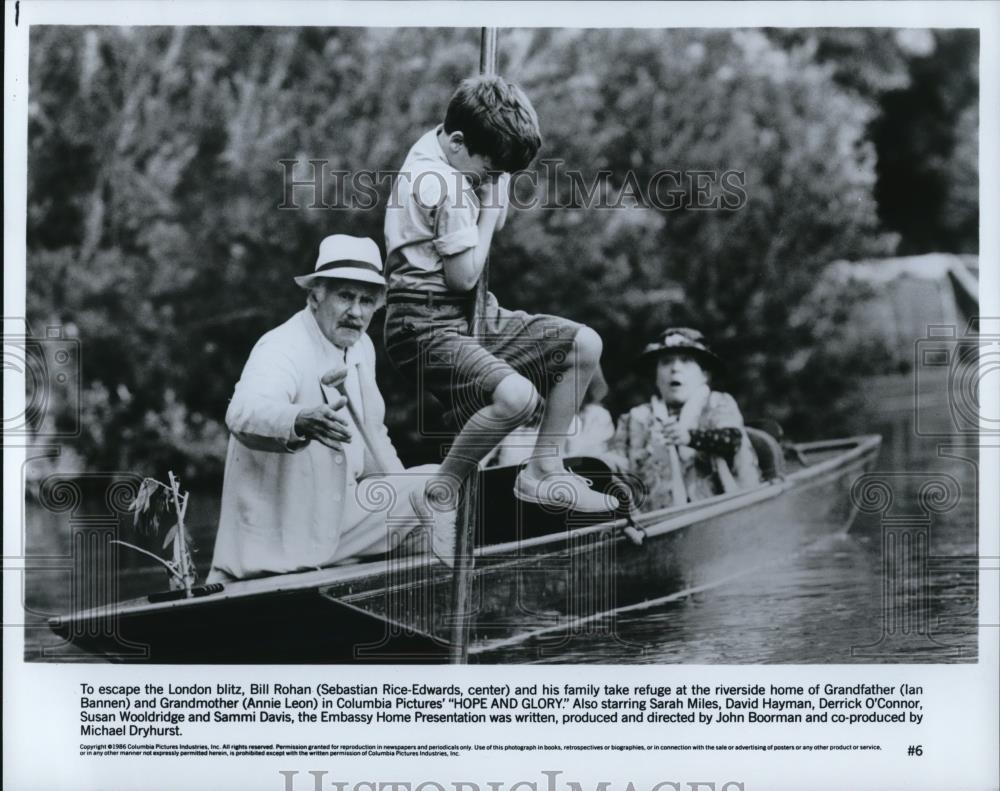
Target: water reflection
x=820 y=607
x=836 y=601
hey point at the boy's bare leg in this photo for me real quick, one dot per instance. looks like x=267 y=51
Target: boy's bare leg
x=544 y=479
x=514 y=401
x=563 y=402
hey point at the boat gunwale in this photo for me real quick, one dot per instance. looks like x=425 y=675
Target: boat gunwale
x=654 y=524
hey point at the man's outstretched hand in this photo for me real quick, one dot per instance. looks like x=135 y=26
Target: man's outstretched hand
x=323 y=424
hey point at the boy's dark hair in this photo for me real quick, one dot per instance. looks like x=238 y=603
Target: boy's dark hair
x=496 y=120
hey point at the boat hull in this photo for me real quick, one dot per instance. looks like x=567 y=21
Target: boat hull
x=538 y=584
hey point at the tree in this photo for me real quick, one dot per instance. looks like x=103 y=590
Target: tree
x=695 y=101
x=155 y=180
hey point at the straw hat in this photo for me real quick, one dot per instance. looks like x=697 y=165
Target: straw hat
x=346 y=258
x=685 y=340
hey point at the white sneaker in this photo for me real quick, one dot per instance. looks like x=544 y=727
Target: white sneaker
x=439 y=525
x=564 y=490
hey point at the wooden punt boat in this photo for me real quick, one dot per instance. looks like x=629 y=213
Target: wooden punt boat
x=537 y=575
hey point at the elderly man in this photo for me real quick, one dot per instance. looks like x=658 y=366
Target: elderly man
x=294 y=495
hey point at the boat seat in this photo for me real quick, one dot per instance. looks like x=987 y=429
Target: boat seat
x=770 y=455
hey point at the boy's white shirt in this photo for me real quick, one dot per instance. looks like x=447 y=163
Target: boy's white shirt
x=429 y=193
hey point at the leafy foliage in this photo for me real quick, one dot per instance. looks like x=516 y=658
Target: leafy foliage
x=155 y=237
x=154 y=503
x=151 y=504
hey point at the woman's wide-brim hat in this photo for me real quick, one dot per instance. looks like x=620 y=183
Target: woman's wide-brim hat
x=344 y=257
x=682 y=340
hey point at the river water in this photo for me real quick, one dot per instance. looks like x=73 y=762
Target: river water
x=833 y=603
x=843 y=599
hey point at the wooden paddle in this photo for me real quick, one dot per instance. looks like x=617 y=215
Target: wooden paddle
x=678 y=491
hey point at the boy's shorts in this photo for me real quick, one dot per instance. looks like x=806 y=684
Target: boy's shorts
x=432 y=347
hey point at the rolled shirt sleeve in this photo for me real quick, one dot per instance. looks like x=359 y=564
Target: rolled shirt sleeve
x=457 y=241
x=433 y=214
x=454 y=218
x=457 y=227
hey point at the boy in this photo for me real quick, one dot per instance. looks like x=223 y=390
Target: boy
x=450 y=197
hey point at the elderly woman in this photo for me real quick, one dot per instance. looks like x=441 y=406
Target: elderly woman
x=687 y=442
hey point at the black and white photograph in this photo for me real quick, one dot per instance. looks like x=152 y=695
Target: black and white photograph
x=521 y=344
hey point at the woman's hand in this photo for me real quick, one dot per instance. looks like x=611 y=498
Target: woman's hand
x=675 y=434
